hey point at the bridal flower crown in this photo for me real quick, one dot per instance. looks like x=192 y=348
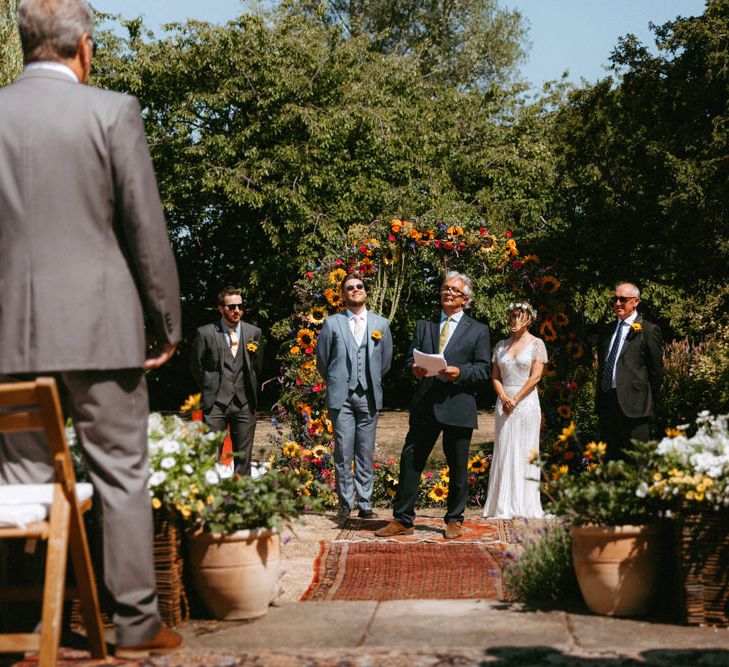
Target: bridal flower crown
x=522 y=306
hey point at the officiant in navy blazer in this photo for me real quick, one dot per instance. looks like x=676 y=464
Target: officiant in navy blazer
x=353 y=354
x=445 y=403
x=225 y=363
x=630 y=372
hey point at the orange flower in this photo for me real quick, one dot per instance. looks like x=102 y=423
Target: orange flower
x=511 y=245
x=547 y=331
x=395 y=226
x=333 y=297
x=550 y=284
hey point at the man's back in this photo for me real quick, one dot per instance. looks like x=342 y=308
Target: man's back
x=82 y=232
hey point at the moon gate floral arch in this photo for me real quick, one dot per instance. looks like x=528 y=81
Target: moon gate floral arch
x=390 y=255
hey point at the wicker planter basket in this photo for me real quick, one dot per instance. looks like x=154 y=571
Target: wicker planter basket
x=703 y=566
x=168 y=565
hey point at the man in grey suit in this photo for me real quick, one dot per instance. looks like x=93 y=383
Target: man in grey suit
x=353 y=354
x=225 y=363
x=84 y=256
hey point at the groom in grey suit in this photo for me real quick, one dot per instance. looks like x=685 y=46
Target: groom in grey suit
x=353 y=354
x=84 y=258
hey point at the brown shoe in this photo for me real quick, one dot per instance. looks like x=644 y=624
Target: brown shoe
x=394 y=528
x=165 y=641
x=453 y=530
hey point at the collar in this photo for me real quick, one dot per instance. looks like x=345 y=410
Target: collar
x=456 y=317
x=54 y=67
x=351 y=315
x=629 y=320
x=226 y=327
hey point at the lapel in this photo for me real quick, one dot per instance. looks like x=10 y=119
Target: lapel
x=346 y=335
x=630 y=336
x=371 y=326
x=221 y=343
x=435 y=335
x=460 y=331
x=245 y=338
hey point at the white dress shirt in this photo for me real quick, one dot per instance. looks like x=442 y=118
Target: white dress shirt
x=623 y=333
x=352 y=320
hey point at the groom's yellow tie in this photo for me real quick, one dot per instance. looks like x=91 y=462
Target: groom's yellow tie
x=444 y=334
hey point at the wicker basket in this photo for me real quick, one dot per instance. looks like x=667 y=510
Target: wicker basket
x=703 y=566
x=168 y=566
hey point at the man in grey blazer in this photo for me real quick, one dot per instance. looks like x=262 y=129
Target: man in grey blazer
x=84 y=257
x=225 y=363
x=353 y=354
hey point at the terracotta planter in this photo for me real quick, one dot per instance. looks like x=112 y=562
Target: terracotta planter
x=235 y=575
x=617 y=567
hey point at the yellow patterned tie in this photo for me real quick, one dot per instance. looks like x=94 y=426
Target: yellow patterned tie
x=444 y=334
x=233 y=333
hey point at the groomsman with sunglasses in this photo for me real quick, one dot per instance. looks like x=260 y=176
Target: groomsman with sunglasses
x=353 y=354
x=225 y=363
x=630 y=371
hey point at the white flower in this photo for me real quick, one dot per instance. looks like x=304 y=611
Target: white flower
x=157 y=478
x=642 y=490
x=170 y=446
x=212 y=477
x=223 y=470
x=188 y=468
x=167 y=462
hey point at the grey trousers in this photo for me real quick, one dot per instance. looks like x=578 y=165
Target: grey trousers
x=355 y=427
x=109 y=410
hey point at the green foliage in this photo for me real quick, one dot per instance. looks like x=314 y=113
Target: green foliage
x=543 y=571
x=605 y=493
x=458 y=42
x=642 y=172
x=11 y=56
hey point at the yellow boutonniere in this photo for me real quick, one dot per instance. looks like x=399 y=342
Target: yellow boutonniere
x=376 y=335
x=636 y=327
x=252 y=346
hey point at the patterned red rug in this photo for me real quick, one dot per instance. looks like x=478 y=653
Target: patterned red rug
x=386 y=571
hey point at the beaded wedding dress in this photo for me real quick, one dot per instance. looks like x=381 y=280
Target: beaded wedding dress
x=514 y=482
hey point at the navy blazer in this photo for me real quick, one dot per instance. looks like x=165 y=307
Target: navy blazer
x=452 y=403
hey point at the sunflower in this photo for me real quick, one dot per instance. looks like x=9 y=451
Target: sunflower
x=561 y=319
x=319 y=451
x=445 y=475
x=333 y=297
x=567 y=432
x=595 y=450
x=367 y=266
x=454 y=230
x=564 y=411
x=390 y=256
x=530 y=258
x=291 y=449
x=575 y=350
x=477 y=465
x=673 y=432
x=547 y=331
x=306 y=338
x=438 y=493
x=337 y=276
x=550 y=284
x=192 y=403
x=317 y=314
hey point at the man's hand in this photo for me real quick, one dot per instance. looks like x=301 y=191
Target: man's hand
x=419 y=372
x=450 y=373
x=160 y=358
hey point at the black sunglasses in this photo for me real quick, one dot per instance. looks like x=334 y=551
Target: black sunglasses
x=623 y=299
x=234 y=306
x=351 y=288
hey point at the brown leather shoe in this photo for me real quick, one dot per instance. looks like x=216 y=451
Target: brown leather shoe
x=453 y=530
x=165 y=641
x=394 y=528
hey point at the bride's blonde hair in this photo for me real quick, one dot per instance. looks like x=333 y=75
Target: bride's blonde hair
x=525 y=315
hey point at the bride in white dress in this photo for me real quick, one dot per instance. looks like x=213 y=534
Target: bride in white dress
x=518 y=363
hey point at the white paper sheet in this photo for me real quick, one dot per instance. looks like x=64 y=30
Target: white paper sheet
x=433 y=363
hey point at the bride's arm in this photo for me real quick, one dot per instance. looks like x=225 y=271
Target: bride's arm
x=506 y=401
x=533 y=381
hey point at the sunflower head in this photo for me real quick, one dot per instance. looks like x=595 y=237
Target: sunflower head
x=317 y=314
x=550 y=284
x=306 y=338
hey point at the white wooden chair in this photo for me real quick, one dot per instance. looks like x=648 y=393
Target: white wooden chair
x=51 y=512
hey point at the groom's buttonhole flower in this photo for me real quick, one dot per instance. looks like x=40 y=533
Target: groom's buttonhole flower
x=252 y=346
x=376 y=334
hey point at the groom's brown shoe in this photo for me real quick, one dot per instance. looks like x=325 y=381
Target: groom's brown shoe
x=165 y=641
x=394 y=528
x=453 y=530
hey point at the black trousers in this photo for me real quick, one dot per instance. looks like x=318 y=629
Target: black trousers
x=617 y=429
x=242 y=424
x=419 y=443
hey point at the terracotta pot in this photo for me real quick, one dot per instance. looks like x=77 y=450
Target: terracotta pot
x=617 y=567
x=236 y=574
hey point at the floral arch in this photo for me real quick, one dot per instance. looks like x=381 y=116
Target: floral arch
x=393 y=256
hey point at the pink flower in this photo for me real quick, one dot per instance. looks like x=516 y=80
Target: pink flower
x=363 y=248
x=338 y=262
x=316 y=387
x=482 y=230
x=508 y=234
x=391 y=238
x=309 y=275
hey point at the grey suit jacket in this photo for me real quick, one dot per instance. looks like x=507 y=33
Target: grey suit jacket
x=84 y=251
x=336 y=351
x=208 y=353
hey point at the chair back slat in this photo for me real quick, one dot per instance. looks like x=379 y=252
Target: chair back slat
x=18 y=393
x=21 y=421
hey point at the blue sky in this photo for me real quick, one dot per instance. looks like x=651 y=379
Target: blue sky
x=573 y=35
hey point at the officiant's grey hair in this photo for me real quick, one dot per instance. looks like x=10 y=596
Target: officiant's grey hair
x=467 y=285
x=51 y=29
